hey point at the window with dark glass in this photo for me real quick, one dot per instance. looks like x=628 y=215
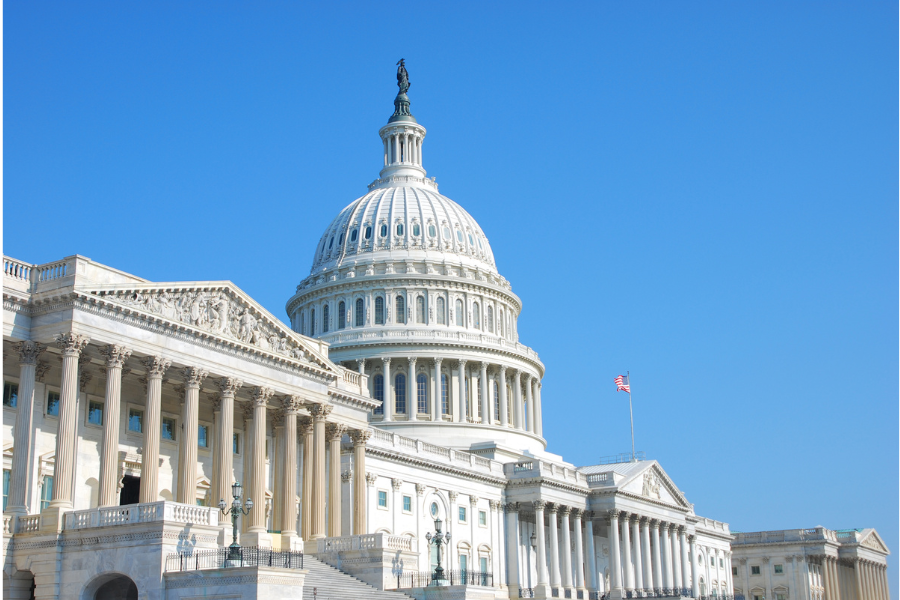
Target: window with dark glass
x=95 y=413
x=331 y=242
x=341 y=240
x=400 y=393
x=399 y=228
x=10 y=394
x=445 y=400
x=6 y=477
x=368 y=234
x=432 y=232
x=52 y=404
x=420 y=309
x=135 y=420
x=353 y=235
x=379 y=310
x=407 y=504
x=378 y=390
x=400 y=306
x=236 y=443
x=325 y=319
x=383 y=231
x=421 y=394
x=203 y=436
x=312 y=322
x=46 y=491
x=168 y=429
x=416 y=230
x=342 y=315
x=754 y=570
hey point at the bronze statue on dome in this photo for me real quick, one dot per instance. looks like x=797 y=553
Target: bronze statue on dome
x=402 y=76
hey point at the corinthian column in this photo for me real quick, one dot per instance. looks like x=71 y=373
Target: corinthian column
x=638 y=563
x=657 y=560
x=626 y=553
x=542 y=579
x=504 y=401
x=538 y=415
x=676 y=557
x=290 y=408
x=566 y=566
x=695 y=569
x=320 y=414
x=685 y=564
x=666 y=546
x=529 y=426
x=485 y=398
x=591 y=565
x=461 y=413
x=645 y=550
x=554 y=546
x=156 y=368
x=28 y=356
x=259 y=399
x=388 y=391
x=306 y=507
x=223 y=466
x=187 y=466
x=359 y=438
x=335 y=433
x=615 y=553
x=437 y=396
x=517 y=401
x=579 y=548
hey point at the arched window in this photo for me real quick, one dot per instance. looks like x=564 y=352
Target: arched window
x=476 y=316
x=416 y=230
x=302 y=323
x=460 y=314
x=400 y=393
x=420 y=309
x=400 y=305
x=360 y=312
x=342 y=315
x=353 y=235
x=312 y=322
x=378 y=386
x=445 y=400
x=441 y=312
x=379 y=310
x=490 y=319
x=368 y=234
x=496 y=401
x=421 y=393
x=325 y=319
x=432 y=232
x=383 y=231
x=399 y=228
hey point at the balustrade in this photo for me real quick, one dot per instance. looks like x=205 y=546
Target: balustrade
x=142 y=513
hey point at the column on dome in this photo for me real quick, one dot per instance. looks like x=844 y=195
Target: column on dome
x=187 y=465
x=538 y=415
x=541 y=548
x=290 y=407
x=28 y=352
x=436 y=392
x=319 y=414
x=529 y=380
x=635 y=523
x=512 y=547
x=396 y=148
x=646 y=552
x=388 y=391
x=156 y=368
x=627 y=569
x=385 y=144
x=658 y=581
x=306 y=497
x=501 y=388
x=485 y=398
x=412 y=396
x=335 y=432
x=566 y=566
x=615 y=553
x=359 y=437
x=579 y=548
x=517 y=400
x=553 y=509
x=462 y=415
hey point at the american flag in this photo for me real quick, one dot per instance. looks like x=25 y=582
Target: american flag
x=622 y=384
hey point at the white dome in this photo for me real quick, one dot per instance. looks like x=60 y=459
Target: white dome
x=404 y=220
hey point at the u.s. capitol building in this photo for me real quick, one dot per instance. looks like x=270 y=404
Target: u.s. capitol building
x=399 y=400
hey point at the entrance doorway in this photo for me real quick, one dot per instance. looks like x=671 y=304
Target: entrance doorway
x=131 y=490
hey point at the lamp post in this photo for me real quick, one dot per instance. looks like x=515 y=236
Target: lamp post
x=234 y=550
x=438 y=539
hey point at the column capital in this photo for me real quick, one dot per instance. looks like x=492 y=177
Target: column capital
x=277 y=418
x=259 y=396
x=613 y=513
x=511 y=507
x=386 y=360
x=577 y=512
x=437 y=362
x=494 y=504
x=304 y=425
x=539 y=504
x=552 y=508
x=346 y=476
x=693 y=540
x=453 y=496
x=84 y=379
x=360 y=437
x=370 y=478
x=335 y=431
x=29 y=352
x=291 y=405
x=115 y=355
x=655 y=524
x=229 y=385
x=588 y=516
x=321 y=411
x=156 y=366
x=483 y=364
x=420 y=489
x=396 y=483
x=743 y=561
x=72 y=344
x=361 y=365
x=193 y=376
x=462 y=363
x=564 y=511
x=473 y=500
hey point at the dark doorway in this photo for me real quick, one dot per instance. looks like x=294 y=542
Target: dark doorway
x=120 y=588
x=131 y=490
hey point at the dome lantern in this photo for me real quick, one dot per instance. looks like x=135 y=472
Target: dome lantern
x=402 y=137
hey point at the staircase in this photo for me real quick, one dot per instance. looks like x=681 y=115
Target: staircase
x=332 y=584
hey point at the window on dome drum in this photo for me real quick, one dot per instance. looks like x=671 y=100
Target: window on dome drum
x=441 y=312
x=420 y=309
x=360 y=312
x=353 y=235
x=446 y=231
x=421 y=394
x=490 y=319
x=460 y=314
x=496 y=400
x=302 y=323
x=368 y=234
x=399 y=228
x=476 y=317
x=325 y=319
x=342 y=315
x=379 y=310
x=432 y=231
x=383 y=231
x=341 y=240
x=400 y=307
x=400 y=394
x=312 y=322
x=416 y=230
x=445 y=400
x=378 y=390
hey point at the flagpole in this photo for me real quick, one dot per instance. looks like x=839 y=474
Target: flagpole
x=630 y=412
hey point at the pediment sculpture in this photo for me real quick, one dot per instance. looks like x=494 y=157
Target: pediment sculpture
x=651 y=485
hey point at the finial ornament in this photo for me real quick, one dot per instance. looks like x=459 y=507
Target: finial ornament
x=401 y=102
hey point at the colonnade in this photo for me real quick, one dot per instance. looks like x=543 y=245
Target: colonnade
x=869 y=581
x=402 y=147
x=315 y=431
x=475 y=392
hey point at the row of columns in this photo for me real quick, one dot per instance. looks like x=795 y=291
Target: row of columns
x=870 y=579
x=406 y=146
x=525 y=413
x=313 y=430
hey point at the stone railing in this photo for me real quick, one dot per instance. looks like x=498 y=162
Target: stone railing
x=28 y=523
x=369 y=541
x=381 y=438
x=543 y=468
x=174 y=512
x=785 y=535
x=599 y=479
x=354 y=381
x=7 y=524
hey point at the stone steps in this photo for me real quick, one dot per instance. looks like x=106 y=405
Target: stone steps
x=333 y=584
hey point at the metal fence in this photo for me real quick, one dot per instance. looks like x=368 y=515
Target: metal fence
x=426 y=579
x=247 y=556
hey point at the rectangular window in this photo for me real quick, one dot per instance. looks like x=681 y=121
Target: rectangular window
x=236 y=443
x=463 y=563
x=135 y=420
x=462 y=514
x=6 y=475
x=95 y=413
x=407 y=504
x=52 y=404
x=780 y=597
x=482 y=564
x=779 y=569
x=722 y=563
x=754 y=570
x=46 y=491
x=10 y=394
x=382 y=499
x=712 y=561
x=203 y=436
x=734 y=571
x=168 y=429
x=482 y=518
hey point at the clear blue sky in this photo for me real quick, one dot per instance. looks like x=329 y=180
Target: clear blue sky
x=702 y=193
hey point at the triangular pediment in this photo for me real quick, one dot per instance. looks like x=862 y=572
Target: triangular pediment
x=653 y=483
x=873 y=540
x=219 y=309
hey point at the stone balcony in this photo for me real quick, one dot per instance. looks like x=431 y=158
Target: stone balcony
x=786 y=535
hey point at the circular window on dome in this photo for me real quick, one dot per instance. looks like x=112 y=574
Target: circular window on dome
x=446 y=232
x=353 y=235
x=459 y=236
x=432 y=231
x=416 y=230
x=399 y=228
x=471 y=240
x=368 y=234
x=434 y=509
x=383 y=231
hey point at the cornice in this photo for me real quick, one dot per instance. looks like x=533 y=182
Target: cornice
x=434 y=466
x=550 y=483
x=341 y=397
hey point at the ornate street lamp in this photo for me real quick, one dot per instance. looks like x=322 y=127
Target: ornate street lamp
x=438 y=539
x=234 y=550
